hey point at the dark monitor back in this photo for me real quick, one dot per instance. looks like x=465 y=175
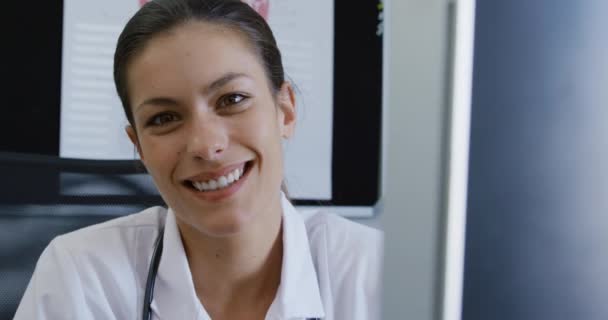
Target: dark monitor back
x=537 y=227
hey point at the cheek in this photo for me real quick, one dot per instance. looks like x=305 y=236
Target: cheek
x=160 y=156
x=268 y=144
x=262 y=132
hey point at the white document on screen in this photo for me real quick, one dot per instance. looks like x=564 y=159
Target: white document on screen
x=92 y=120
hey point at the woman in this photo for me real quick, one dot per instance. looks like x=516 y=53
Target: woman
x=202 y=85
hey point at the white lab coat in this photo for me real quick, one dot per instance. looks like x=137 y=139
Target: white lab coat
x=330 y=270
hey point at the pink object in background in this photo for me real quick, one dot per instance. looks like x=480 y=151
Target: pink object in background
x=261 y=6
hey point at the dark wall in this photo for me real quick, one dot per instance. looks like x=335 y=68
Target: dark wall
x=537 y=224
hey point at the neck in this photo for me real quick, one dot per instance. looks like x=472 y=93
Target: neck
x=237 y=271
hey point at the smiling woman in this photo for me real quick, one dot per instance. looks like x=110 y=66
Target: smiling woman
x=203 y=88
x=202 y=108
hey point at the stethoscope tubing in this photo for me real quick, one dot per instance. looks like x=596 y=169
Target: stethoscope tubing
x=149 y=293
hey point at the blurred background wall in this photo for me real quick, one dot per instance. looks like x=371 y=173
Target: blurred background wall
x=410 y=211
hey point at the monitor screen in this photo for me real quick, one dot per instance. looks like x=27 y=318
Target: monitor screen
x=64 y=101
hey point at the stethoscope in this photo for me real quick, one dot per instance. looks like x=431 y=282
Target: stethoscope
x=152 y=271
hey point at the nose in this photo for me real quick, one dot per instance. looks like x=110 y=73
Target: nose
x=208 y=137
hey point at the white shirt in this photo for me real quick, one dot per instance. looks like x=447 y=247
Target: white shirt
x=330 y=270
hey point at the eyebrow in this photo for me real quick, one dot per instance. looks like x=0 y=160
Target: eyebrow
x=215 y=85
x=223 y=80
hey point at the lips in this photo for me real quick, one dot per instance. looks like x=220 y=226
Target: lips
x=216 y=174
x=219 y=184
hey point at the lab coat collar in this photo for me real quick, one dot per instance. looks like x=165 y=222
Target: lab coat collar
x=298 y=295
x=174 y=294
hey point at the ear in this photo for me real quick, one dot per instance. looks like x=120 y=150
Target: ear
x=286 y=100
x=133 y=137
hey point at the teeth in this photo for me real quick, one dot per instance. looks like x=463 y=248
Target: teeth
x=222 y=182
x=219 y=183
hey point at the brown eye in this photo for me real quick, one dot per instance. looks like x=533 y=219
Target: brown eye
x=162 y=119
x=231 y=100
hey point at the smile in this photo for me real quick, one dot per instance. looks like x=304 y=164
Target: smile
x=220 y=182
x=216 y=187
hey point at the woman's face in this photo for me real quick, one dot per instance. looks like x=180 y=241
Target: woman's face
x=208 y=127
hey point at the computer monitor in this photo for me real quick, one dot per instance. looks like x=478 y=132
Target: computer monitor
x=63 y=100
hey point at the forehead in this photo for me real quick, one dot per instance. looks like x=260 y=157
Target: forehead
x=192 y=52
